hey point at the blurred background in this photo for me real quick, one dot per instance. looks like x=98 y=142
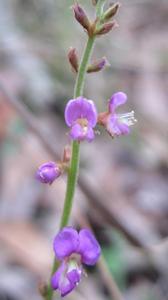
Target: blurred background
x=123 y=186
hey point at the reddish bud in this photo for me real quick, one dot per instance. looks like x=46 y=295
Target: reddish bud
x=111 y=12
x=73 y=59
x=98 y=65
x=67 y=154
x=102 y=118
x=105 y=28
x=81 y=16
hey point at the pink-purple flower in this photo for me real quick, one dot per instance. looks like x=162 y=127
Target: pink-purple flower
x=72 y=249
x=81 y=117
x=48 y=172
x=116 y=124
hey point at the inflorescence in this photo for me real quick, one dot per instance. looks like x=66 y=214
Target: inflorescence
x=82 y=117
x=73 y=249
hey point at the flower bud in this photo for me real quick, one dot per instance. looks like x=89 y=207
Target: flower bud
x=67 y=154
x=73 y=59
x=98 y=65
x=111 y=12
x=81 y=16
x=48 y=172
x=105 y=28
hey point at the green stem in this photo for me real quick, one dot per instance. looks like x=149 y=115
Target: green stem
x=72 y=178
x=74 y=165
x=78 y=91
x=99 y=8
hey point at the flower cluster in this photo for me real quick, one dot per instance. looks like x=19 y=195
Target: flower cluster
x=96 y=28
x=73 y=249
x=81 y=116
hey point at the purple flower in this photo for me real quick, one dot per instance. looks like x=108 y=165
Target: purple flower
x=81 y=116
x=117 y=124
x=73 y=249
x=48 y=172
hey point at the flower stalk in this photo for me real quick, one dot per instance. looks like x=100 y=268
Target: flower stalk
x=74 y=165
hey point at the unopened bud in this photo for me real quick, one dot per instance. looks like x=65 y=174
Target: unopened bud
x=102 y=118
x=98 y=65
x=48 y=172
x=67 y=154
x=73 y=59
x=105 y=28
x=111 y=12
x=81 y=16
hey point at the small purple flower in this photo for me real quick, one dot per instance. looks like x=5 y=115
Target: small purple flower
x=81 y=116
x=73 y=249
x=117 y=124
x=48 y=172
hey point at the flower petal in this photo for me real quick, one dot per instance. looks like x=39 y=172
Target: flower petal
x=116 y=100
x=74 y=271
x=70 y=278
x=66 y=242
x=80 y=108
x=76 y=132
x=66 y=287
x=116 y=127
x=88 y=247
x=90 y=134
x=80 y=133
x=57 y=276
x=74 y=276
x=64 y=280
x=124 y=128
